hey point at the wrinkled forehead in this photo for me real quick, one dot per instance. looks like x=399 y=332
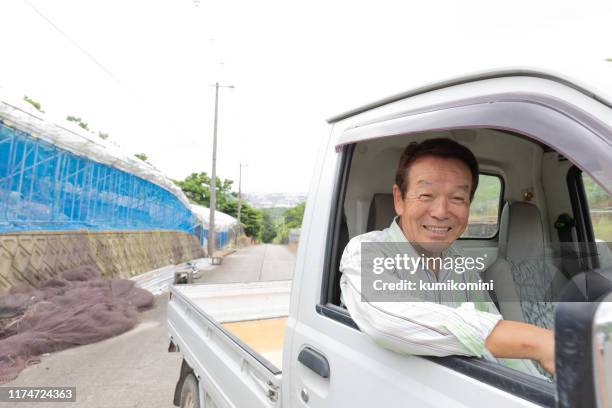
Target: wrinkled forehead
x=435 y=171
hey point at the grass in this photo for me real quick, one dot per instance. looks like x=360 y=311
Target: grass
x=485 y=206
x=602 y=226
x=486 y=200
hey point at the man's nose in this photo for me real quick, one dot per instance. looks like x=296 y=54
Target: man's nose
x=439 y=208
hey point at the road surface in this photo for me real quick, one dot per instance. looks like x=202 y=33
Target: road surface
x=135 y=368
x=255 y=263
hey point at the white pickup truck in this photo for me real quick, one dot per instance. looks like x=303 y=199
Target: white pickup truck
x=543 y=141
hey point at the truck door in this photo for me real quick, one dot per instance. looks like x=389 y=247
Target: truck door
x=331 y=362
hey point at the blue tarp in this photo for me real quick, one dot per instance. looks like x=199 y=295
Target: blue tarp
x=221 y=237
x=43 y=187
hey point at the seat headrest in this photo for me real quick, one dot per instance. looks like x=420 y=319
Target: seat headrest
x=521 y=234
x=382 y=212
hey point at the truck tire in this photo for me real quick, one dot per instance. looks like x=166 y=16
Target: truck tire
x=190 y=394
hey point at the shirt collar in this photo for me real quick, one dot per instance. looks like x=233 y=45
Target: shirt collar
x=395 y=231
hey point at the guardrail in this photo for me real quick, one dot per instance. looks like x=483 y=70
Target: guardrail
x=157 y=281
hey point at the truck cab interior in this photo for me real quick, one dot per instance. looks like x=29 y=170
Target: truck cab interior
x=539 y=219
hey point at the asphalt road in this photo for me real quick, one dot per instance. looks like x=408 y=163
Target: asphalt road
x=135 y=368
x=255 y=263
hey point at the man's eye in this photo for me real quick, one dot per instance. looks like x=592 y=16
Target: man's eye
x=425 y=196
x=459 y=200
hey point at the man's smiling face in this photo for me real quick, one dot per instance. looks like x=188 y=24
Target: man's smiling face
x=434 y=212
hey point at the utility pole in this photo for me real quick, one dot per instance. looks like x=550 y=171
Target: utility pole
x=213 y=180
x=239 y=202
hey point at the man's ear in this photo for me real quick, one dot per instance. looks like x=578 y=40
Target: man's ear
x=398 y=200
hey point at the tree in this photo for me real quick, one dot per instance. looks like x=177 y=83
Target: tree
x=196 y=187
x=294 y=216
x=141 y=156
x=269 y=229
x=78 y=121
x=34 y=103
x=103 y=135
x=251 y=220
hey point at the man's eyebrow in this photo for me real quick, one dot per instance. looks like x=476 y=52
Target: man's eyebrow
x=464 y=187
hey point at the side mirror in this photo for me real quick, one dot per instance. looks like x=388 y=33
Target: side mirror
x=602 y=352
x=583 y=353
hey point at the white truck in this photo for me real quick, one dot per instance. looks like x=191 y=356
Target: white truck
x=542 y=140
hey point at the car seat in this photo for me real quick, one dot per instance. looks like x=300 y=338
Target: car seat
x=525 y=280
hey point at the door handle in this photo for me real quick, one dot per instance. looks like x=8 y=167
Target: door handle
x=315 y=361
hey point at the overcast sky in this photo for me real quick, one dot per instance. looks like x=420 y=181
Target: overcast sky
x=293 y=65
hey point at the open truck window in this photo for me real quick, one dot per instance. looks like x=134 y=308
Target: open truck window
x=364 y=203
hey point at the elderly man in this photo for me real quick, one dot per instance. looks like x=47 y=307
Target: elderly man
x=434 y=186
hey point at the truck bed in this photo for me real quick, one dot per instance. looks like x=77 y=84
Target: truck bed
x=264 y=336
x=232 y=334
x=236 y=302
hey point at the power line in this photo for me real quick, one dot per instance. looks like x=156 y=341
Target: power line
x=91 y=57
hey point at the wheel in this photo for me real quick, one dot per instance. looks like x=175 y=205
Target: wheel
x=190 y=395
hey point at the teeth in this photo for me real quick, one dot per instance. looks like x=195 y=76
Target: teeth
x=437 y=229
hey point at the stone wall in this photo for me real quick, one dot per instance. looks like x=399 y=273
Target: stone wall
x=32 y=257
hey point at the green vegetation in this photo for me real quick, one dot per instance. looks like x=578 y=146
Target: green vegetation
x=294 y=216
x=597 y=197
x=250 y=218
x=85 y=125
x=78 y=121
x=141 y=156
x=34 y=103
x=196 y=188
x=600 y=206
x=269 y=228
x=282 y=220
x=485 y=204
x=276 y=213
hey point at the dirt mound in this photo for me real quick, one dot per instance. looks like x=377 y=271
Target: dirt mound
x=74 y=309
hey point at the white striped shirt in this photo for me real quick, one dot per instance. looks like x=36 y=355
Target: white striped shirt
x=421 y=327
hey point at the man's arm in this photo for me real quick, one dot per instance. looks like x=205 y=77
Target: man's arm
x=413 y=327
x=511 y=339
x=421 y=328
x=425 y=328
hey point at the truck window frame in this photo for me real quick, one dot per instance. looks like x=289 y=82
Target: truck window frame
x=517 y=383
x=582 y=217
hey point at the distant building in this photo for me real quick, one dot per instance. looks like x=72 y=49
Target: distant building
x=274 y=200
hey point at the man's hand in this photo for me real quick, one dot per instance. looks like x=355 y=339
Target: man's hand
x=511 y=339
x=547 y=358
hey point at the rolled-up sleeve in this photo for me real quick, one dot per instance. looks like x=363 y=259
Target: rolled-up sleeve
x=421 y=328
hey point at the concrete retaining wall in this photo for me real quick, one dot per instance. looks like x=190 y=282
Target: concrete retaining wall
x=32 y=257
